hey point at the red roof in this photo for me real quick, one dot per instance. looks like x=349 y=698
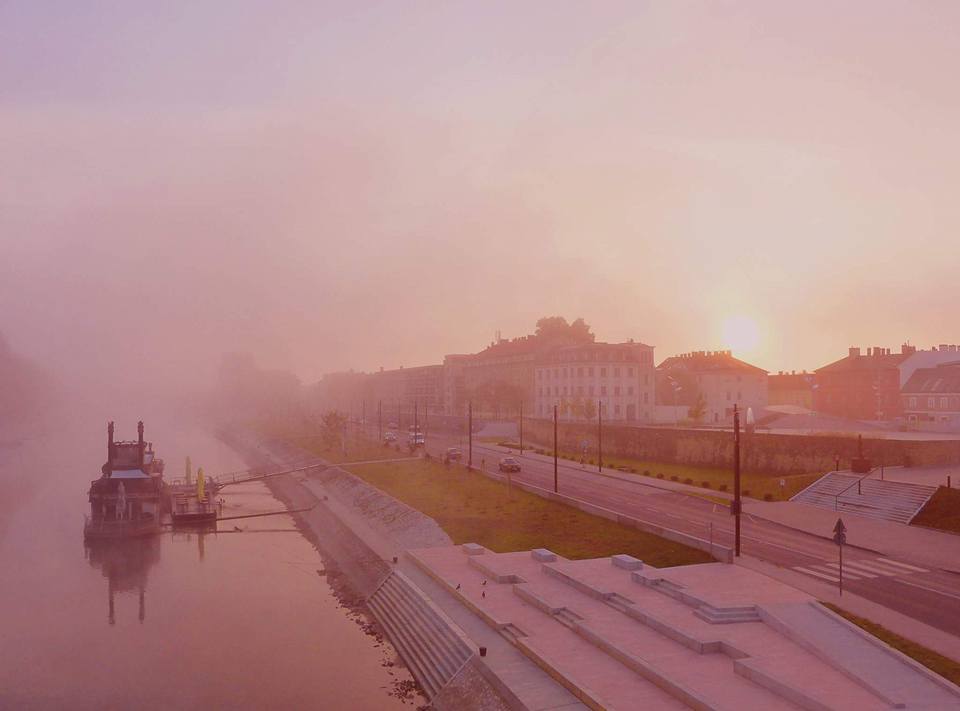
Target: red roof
x=709 y=361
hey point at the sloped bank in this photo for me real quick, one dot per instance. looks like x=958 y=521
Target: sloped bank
x=438 y=654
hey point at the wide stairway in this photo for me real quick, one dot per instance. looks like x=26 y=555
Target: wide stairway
x=426 y=640
x=884 y=500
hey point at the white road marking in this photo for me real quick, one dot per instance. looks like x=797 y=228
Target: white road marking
x=923 y=587
x=855 y=570
x=889 y=561
x=831 y=578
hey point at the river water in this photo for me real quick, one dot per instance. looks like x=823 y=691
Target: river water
x=236 y=619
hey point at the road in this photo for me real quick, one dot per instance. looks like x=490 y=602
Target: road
x=920 y=592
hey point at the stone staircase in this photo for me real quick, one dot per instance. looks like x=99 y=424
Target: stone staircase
x=884 y=500
x=429 y=643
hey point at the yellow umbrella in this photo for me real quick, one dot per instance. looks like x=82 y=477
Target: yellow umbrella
x=200 y=487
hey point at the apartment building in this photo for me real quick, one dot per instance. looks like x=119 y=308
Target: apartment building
x=931 y=398
x=577 y=379
x=707 y=384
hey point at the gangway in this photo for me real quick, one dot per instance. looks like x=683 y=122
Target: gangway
x=240 y=477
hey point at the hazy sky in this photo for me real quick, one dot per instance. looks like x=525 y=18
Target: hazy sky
x=334 y=185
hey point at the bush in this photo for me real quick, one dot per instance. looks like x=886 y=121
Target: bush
x=768 y=497
x=745 y=492
x=705 y=484
x=674 y=477
x=427 y=456
x=633 y=470
x=688 y=481
x=722 y=487
x=646 y=472
x=590 y=461
x=660 y=475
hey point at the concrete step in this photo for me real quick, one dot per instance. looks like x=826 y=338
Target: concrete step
x=421 y=666
x=385 y=617
x=454 y=646
x=869 y=497
x=430 y=638
x=422 y=637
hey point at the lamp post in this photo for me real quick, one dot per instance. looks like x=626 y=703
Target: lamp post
x=737 y=503
x=379 y=420
x=555 y=481
x=521 y=428
x=470 y=434
x=599 y=436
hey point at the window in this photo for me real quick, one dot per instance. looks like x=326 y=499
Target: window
x=603 y=389
x=564 y=372
x=556 y=372
x=564 y=389
x=541 y=392
x=591 y=391
x=646 y=379
x=728 y=396
x=930 y=402
x=616 y=409
x=630 y=390
x=943 y=403
x=738 y=396
x=616 y=390
x=603 y=372
x=590 y=371
x=579 y=372
x=646 y=398
x=616 y=372
x=629 y=372
x=579 y=390
x=913 y=403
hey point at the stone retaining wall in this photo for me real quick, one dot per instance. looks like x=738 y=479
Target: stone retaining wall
x=760 y=452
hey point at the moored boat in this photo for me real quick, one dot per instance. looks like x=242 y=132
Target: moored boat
x=126 y=500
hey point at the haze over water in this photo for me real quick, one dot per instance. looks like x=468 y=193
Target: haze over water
x=231 y=620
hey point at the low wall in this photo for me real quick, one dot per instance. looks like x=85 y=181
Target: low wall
x=760 y=452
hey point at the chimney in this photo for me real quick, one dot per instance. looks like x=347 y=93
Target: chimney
x=943 y=347
x=140 y=441
x=109 y=444
x=853 y=352
x=907 y=349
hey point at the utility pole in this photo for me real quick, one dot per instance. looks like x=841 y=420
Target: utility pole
x=599 y=437
x=470 y=434
x=416 y=423
x=379 y=420
x=737 y=503
x=363 y=416
x=555 y=482
x=521 y=428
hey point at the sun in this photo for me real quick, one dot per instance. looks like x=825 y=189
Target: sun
x=740 y=333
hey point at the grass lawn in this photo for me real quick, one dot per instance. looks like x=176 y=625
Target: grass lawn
x=472 y=508
x=944 y=666
x=941 y=511
x=755 y=485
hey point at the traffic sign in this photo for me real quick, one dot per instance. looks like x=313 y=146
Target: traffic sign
x=839 y=533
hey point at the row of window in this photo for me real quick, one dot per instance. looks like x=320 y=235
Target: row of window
x=589 y=391
x=945 y=403
x=642 y=356
x=547 y=373
x=631 y=413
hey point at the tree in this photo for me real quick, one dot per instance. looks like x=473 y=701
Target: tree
x=555 y=329
x=698 y=409
x=331 y=428
x=589 y=410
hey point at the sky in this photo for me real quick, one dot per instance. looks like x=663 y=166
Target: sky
x=335 y=185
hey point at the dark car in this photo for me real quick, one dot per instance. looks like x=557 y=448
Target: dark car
x=509 y=464
x=453 y=454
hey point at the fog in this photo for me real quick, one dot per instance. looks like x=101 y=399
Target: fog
x=338 y=185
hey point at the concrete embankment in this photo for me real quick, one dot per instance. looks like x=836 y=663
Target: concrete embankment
x=363 y=530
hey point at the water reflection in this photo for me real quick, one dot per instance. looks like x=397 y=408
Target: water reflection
x=125 y=564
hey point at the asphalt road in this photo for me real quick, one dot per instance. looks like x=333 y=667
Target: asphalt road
x=929 y=595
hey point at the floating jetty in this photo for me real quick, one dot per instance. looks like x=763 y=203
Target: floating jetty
x=131 y=498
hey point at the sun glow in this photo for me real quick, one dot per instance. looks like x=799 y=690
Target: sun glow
x=740 y=334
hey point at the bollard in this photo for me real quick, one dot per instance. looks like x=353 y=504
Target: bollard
x=394 y=560
x=483 y=651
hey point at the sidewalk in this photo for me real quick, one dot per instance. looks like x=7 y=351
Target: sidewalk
x=907 y=627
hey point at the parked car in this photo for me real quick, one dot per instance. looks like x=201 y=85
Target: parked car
x=509 y=464
x=389 y=437
x=453 y=454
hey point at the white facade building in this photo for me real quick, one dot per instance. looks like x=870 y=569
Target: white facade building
x=616 y=377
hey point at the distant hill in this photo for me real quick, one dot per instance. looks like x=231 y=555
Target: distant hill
x=25 y=388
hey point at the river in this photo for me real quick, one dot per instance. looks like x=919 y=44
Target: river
x=243 y=619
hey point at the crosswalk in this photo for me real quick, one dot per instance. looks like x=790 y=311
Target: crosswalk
x=862 y=569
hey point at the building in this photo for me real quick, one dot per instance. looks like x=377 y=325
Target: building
x=577 y=379
x=499 y=378
x=706 y=385
x=937 y=355
x=862 y=387
x=931 y=397
x=791 y=388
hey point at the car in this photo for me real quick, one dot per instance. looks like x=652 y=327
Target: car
x=453 y=454
x=389 y=437
x=509 y=464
